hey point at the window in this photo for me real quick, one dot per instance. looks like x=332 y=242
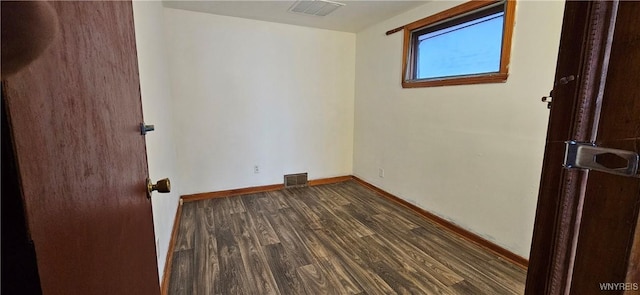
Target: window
x=467 y=44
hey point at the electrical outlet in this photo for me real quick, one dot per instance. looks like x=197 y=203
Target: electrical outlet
x=256 y=169
x=380 y=172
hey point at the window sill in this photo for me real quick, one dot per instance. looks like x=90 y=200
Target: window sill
x=481 y=79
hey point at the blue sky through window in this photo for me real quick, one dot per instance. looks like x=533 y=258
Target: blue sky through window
x=469 y=48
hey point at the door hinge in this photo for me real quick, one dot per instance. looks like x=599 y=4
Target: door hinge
x=548 y=99
x=586 y=155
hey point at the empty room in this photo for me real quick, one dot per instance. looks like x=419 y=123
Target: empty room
x=321 y=147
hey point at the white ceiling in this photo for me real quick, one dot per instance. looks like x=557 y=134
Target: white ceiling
x=353 y=17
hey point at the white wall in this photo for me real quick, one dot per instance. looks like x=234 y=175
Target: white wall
x=250 y=92
x=470 y=154
x=242 y=92
x=157 y=110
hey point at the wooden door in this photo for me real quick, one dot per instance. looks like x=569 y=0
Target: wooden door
x=585 y=237
x=74 y=115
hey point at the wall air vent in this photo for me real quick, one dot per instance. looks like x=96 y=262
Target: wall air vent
x=295 y=180
x=315 y=7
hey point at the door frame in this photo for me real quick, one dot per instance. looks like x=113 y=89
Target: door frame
x=586 y=41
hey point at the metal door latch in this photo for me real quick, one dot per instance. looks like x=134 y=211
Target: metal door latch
x=146 y=128
x=586 y=155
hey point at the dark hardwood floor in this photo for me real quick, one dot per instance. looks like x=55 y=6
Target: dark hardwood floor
x=331 y=239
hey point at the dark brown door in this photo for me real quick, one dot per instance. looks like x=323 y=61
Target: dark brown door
x=74 y=115
x=585 y=238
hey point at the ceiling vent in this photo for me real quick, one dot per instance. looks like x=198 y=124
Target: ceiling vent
x=315 y=7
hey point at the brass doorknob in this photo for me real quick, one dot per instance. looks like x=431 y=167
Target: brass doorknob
x=162 y=186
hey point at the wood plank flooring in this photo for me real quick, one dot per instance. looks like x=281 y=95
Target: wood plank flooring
x=330 y=239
